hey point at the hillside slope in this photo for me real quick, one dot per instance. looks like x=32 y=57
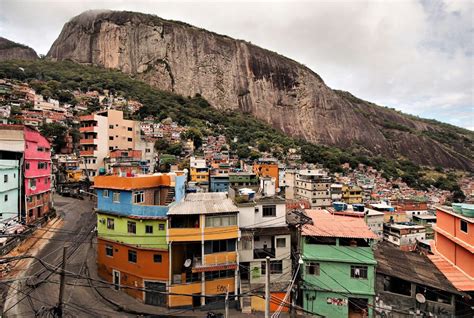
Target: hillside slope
x=236 y=75
x=10 y=50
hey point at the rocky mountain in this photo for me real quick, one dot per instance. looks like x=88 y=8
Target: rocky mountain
x=234 y=74
x=10 y=50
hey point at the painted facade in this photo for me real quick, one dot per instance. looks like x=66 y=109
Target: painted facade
x=9 y=188
x=454 y=247
x=202 y=234
x=267 y=169
x=338 y=273
x=132 y=230
x=219 y=183
x=242 y=179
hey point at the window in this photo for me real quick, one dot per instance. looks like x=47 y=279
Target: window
x=138 y=197
x=269 y=210
x=161 y=227
x=359 y=272
x=247 y=243
x=132 y=256
x=276 y=267
x=111 y=137
x=105 y=193
x=33 y=184
x=129 y=139
x=147 y=150
x=129 y=128
x=221 y=220
x=464 y=226
x=46 y=180
x=111 y=126
x=132 y=227
x=110 y=224
x=312 y=268
x=116 y=197
x=149 y=229
x=281 y=242
x=157 y=258
x=219 y=246
x=27 y=166
x=5 y=178
x=109 y=250
x=5 y=198
x=219 y=274
x=111 y=148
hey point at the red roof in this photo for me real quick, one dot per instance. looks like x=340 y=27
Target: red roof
x=330 y=225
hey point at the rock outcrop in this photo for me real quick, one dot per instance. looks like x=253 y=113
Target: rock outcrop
x=234 y=74
x=10 y=50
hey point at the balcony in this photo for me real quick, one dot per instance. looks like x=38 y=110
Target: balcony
x=84 y=153
x=184 y=234
x=88 y=141
x=218 y=258
x=261 y=253
x=88 y=129
x=87 y=118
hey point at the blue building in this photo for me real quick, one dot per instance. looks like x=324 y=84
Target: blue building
x=144 y=195
x=219 y=183
x=9 y=188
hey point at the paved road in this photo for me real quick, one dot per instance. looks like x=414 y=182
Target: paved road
x=80 y=299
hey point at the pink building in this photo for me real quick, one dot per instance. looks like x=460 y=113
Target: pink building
x=35 y=153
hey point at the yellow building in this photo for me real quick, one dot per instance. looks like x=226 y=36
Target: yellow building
x=351 y=194
x=202 y=237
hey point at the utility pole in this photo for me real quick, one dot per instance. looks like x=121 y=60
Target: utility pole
x=226 y=315
x=267 y=287
x=61 y=283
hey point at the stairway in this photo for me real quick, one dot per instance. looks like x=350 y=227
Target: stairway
x=246 y=300
x=169 y=196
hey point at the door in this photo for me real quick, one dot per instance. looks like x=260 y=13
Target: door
x=155 y=294
x=116 y=277
x=358 y=308
x=196 y=300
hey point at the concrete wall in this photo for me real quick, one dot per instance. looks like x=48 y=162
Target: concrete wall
x=126 y=206
x=401 y=306
x=252 y=216
x=9 y=191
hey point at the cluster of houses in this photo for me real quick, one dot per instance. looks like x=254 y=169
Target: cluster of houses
x=25 y=180
x=187 y=248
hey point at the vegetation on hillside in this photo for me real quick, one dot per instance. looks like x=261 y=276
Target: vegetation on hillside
x=248 y=135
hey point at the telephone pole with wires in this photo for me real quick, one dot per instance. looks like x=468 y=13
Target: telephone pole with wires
x=300 y=219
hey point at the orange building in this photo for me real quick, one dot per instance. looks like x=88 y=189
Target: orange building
x=454 y=247
x=267 y=168
x=202 y=236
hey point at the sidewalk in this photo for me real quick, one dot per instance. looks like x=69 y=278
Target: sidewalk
x=123 y=302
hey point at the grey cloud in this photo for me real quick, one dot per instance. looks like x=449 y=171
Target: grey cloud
x=415 y=56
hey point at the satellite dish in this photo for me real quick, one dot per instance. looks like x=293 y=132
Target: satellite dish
x=420 y=298
x=187 y=263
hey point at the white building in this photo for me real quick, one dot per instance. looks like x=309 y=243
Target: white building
x=314 y=186
x=404 y=235
x=374 y=220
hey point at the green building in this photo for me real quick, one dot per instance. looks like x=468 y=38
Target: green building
x=242 y=179
x=338 y=274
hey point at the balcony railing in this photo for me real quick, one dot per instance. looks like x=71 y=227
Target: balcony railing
x=86 y=153
x=263 y=253
x=88 y=129
x=88 y=141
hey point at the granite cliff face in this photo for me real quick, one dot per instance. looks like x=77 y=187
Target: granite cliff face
x=234 y=74
x=10 y=50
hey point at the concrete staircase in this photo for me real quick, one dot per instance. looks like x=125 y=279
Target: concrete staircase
x=169 y=196
x=246 y=300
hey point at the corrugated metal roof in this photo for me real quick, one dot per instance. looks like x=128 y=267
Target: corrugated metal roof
x=410 y=266
x=204 y=203
x=330 y=225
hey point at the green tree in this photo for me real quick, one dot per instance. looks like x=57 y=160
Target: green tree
x=193 y=134
x=161 y=145
x=55 y=132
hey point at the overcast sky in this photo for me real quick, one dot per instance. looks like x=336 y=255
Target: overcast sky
x=415 y=56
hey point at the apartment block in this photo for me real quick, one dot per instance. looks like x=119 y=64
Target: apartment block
x=314 y=186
